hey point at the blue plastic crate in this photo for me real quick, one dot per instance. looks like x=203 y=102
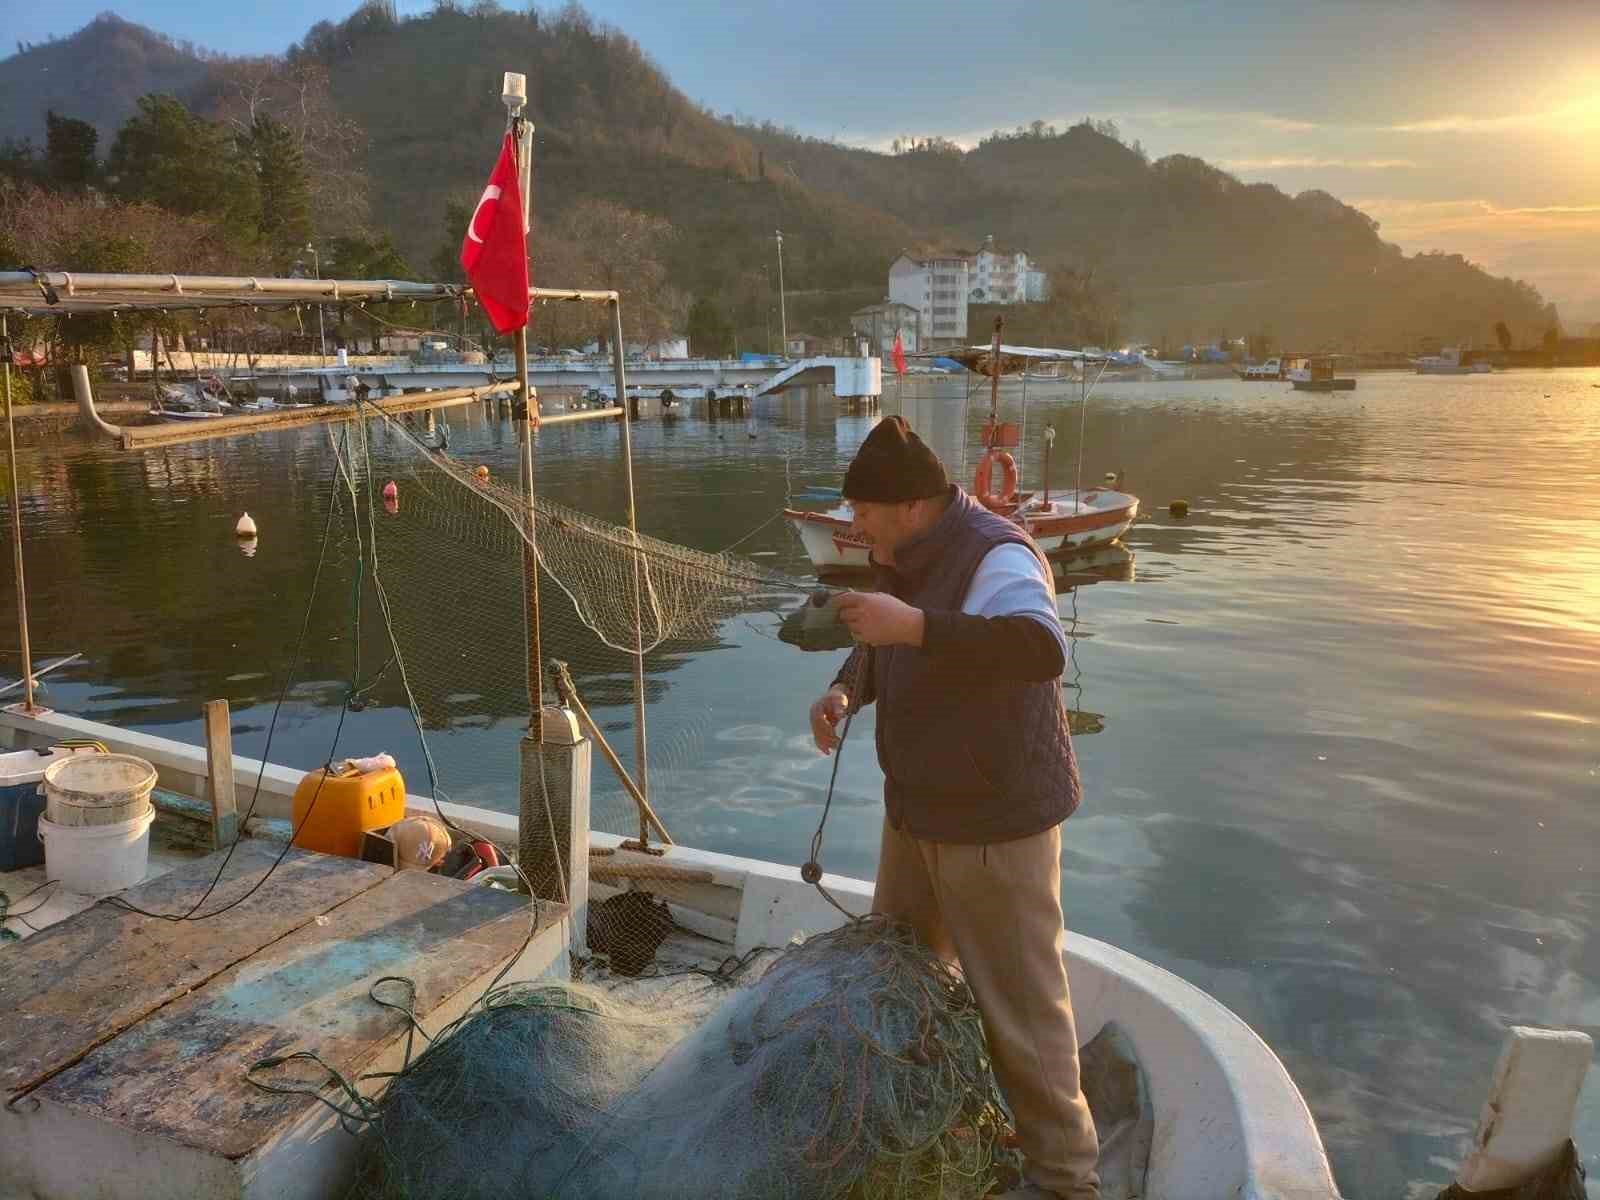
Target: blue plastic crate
x=21 y=803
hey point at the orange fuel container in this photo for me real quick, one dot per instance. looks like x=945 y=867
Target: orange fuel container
x=345 y=807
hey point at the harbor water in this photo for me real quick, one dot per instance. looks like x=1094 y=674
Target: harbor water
x=1339 y=727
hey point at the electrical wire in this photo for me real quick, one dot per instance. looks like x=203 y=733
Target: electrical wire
x=190 y=914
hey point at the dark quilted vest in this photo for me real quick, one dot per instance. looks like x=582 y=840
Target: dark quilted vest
x=965 y=758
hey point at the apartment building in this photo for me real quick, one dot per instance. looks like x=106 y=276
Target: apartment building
x=938 y=289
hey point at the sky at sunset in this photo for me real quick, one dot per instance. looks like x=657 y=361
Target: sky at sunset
x=1462 y=125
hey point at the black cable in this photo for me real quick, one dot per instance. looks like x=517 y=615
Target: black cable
x=289 y=680
x=811 y=870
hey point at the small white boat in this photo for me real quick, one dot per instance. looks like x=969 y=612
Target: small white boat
x=1263 y=372
x=1166 y=370
x=191 y=401
x=1065 y=524
x=1449 y=361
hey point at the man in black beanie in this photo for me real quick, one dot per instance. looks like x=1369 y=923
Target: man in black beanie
x=962 y=650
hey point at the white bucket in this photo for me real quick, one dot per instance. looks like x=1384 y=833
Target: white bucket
x=96 y=860
x=98 y=789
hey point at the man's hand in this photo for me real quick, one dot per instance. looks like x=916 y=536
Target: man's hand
x=826 y=713
x=880 y=619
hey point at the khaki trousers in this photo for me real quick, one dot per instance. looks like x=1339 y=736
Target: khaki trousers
x=996 y=911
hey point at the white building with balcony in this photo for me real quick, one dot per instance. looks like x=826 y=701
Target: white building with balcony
x=1005 y=277
x=937 y=287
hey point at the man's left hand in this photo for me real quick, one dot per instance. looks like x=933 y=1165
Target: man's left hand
x=880 y=619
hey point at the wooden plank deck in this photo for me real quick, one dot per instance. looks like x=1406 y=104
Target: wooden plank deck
x=82 y=982
x=180 y=1073
x=125 y=1040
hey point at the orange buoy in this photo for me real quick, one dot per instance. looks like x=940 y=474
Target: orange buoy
x=483 y=474
x=246 y=528
x=391 y=491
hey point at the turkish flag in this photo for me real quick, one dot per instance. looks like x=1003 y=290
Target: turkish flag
x=899 y=355
x=494 y=254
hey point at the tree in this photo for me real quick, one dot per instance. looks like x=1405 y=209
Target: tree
x=1502 y=333
x=1552 y=339
x=19 y=160
x=297 y=95
x=625 y=250
x=166 y=155
x=69 y=151
x=710 y=333
x=285 y=196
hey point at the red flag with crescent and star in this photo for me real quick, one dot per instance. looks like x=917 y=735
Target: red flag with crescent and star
x=899 y=355
x=494 y=253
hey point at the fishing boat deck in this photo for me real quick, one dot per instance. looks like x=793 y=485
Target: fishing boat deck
x=127 y=1038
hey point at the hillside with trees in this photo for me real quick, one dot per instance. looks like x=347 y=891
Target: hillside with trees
x=379 y=130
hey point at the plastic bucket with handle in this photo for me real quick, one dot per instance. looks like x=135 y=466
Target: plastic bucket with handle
x=98 y=789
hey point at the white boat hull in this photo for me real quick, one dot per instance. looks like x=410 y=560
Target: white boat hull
x=1066 y=526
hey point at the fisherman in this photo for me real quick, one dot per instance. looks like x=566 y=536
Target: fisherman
x=962 y=649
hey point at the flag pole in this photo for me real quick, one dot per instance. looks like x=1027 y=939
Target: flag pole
x=514 y=93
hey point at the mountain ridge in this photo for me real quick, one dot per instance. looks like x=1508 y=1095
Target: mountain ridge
x=1185 y=250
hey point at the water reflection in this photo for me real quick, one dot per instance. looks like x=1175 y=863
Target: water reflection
x=1339 y=766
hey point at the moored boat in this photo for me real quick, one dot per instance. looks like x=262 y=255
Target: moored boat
x=1067 y=523
x=1316 y=374
x=1262 y=372
x=1452 y=360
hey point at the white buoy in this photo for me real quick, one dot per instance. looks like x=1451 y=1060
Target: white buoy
x=245 y=528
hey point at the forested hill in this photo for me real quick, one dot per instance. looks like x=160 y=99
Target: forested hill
x=96 y=75
x=1172 y=249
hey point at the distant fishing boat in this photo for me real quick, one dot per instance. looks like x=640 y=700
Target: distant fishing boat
x=1262 y=372
x=1449 y=361
x=1316 y=374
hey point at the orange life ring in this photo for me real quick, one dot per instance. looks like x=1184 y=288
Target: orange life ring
x=1008 y=476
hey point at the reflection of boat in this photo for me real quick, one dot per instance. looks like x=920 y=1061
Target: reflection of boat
x=1452 y=360
x=1316 y=375
x=1262 y=372
x=1104 y=564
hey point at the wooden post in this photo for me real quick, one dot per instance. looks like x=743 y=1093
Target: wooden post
x=219 y=773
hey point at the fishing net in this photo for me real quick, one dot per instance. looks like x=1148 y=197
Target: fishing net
x=452 y=557
x=854 y=1066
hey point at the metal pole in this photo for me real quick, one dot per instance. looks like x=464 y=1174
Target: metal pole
x=514 y=95
x=783 y=311
x=16 y=527
x=640 y=770
x=994 y=385
x=322 y=332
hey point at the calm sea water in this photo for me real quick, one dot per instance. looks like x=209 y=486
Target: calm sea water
x=1339 y=728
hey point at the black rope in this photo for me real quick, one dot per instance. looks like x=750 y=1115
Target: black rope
x=811 y=870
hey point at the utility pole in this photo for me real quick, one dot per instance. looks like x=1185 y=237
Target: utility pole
x=783 y=312
x=316 y=270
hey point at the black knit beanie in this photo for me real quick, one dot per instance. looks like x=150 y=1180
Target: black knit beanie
x=894 y=464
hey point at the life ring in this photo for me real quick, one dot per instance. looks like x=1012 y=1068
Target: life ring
x=1008 y=474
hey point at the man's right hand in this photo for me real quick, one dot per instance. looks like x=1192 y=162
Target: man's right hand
x=826 y=713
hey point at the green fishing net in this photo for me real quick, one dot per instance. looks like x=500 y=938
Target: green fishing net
x=854 y=1066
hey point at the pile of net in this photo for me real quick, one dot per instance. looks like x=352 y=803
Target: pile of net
x=853 y=1067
